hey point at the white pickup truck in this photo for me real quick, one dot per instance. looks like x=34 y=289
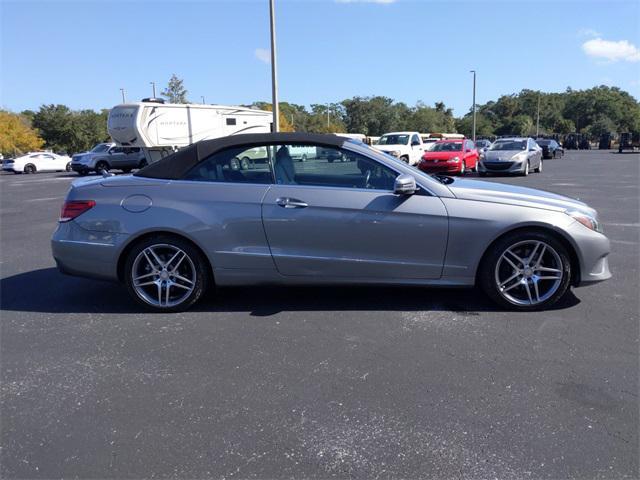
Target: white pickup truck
x=407 y=146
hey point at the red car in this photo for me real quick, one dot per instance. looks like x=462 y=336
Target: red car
x=451 y=157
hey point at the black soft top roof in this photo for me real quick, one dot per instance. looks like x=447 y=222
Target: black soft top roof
x=176 y=165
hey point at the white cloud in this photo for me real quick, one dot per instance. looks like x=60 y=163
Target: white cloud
x=263 y=55
x=611 y=50
x=384 y=2
x=588 y=32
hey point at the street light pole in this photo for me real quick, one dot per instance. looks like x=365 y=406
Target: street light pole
x=153 y=84
x=474 y=105
x=124 y=99
x=274 y=71
x=328 y=121
x=202 y=97
x=538 y=117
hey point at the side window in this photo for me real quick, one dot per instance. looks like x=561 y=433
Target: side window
x=330 y=167
x=234 y=165
x=415 y=139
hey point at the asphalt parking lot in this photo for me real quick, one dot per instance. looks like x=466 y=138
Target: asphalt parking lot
x=319 y=382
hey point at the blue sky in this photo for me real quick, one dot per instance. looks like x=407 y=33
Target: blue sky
x=81 y=53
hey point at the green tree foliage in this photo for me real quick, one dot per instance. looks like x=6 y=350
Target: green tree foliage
x=64 y=130
x=175 y=91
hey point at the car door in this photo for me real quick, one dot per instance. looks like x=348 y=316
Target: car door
x=343 y=220
x=48 y=163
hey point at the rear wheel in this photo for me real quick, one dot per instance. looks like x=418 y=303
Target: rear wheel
x=30 y=168
x=526 y=271
x=166 y=274
x=68 y=167
x=539 y=169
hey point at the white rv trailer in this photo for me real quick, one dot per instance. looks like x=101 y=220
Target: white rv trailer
x=160 y=129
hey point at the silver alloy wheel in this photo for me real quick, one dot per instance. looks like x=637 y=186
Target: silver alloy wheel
x=528 y=272
x=163 y=275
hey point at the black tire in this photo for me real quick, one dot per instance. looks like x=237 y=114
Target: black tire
x=143 y=163
x=202 y=278
x=486 y=272
x=68 y=167
x=30 y=168
x=244 y=164
x=483 y=174
x=405 y=159
x=102 y=166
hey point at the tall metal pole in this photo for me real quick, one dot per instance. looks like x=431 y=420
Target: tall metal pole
x=274 y=71
x=474 y=105
x=153 y=84
x=328 y=121
x=202 y=97
x=124 y=99
x=538 y=118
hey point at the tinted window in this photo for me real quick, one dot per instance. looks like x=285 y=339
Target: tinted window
x=330 y=167
x=234 y=165
x=231 y=121
x=447 y=147
x=415 y=139
x=394 y=140
x=509 y=145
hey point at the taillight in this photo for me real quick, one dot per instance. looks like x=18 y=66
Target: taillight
x=72 y=209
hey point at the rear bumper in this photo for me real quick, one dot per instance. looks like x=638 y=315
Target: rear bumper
x=80 y=252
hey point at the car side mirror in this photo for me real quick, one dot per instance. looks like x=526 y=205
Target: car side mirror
x=405 y=185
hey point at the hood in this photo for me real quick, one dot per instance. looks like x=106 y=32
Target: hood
x=389 y=148
x=490 y=155
x=430 y=155
x=514 y=195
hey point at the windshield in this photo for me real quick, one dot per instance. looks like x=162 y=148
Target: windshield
x=509 y=145
x=394 y=140
x=101 y=147
x=543 y=142
x=447 y=147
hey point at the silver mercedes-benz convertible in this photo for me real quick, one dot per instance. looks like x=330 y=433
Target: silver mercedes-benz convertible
x=238 y=210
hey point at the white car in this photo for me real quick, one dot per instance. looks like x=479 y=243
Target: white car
x=406 y=146
x=38 y=162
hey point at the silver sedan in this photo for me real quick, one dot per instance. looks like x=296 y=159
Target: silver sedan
x=201 y=217
x=511 y=155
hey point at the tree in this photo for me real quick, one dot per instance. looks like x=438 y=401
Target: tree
x=66 y=131
x=285 y=124
x=175 y=91
x=16 y=136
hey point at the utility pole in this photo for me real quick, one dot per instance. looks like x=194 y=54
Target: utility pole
x=274 y=71
x=202 y=97
x=328 y=122
x=538 y=117
x=474 y=105
x=153 y=84
x=124 y=99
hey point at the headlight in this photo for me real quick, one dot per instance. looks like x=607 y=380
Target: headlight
x=454 y=160
x=591 y=222
x=520 y=156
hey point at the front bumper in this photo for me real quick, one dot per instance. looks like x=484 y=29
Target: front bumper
x=440 y=167
x=593 y=250
x=80 y=167
x=487 y=166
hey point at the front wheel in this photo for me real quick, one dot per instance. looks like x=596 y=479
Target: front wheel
x=539 y=169
x=526 y=271
x=30 y=169
x=68 y=167
x=102 y=167
x=463 y=168
x=525 y=172
x=166 y=274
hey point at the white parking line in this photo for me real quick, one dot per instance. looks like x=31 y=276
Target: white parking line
x=45 y=199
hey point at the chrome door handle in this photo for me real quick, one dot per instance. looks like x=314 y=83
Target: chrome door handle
x=287 y=202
